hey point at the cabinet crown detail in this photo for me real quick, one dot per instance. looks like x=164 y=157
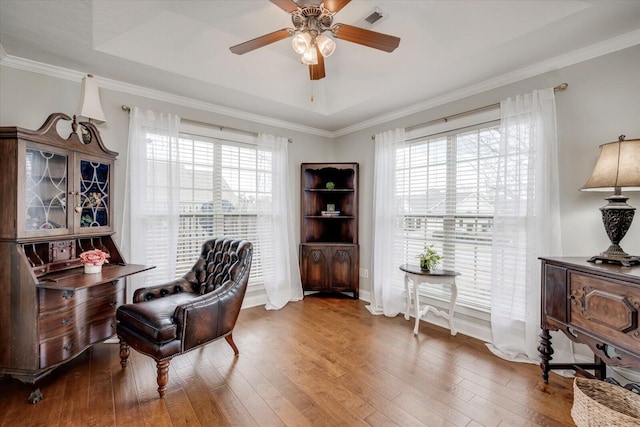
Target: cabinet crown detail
x=55 y=185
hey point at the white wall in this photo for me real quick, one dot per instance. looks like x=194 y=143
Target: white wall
x=601 y=102
x=27 y=98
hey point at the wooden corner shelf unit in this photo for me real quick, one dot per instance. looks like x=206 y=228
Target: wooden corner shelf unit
x=56 y=203
x=329 y=251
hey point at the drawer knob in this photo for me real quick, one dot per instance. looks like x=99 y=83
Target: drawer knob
x=68 y=346
x=67 y=321
x=113 y=303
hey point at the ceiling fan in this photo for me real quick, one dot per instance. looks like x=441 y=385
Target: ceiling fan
x=310 y=19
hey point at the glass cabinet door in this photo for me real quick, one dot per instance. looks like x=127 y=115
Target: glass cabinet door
x=46 y=190
x=94 y=194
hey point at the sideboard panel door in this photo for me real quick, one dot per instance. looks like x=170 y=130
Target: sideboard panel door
x=555 y=292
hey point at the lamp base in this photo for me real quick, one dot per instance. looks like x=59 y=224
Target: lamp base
x=625 y=261
x=616 y=216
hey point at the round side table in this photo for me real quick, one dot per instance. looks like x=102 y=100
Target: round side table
x=418 y=276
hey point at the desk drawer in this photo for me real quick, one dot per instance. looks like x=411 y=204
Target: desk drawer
x=65 y=346
x=50 y=300
x=606 y=307
x=63 y=321
x=61 y=348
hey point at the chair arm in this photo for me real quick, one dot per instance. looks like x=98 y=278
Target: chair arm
x=213 y=315
x=159 y=291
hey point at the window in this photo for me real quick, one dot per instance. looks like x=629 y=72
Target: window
x=221 y=181
x=445 y=185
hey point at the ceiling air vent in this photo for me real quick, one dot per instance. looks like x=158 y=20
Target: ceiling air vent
x=376 y=15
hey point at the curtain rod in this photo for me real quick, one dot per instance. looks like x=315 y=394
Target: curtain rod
x=445 y=119
x=220 y=127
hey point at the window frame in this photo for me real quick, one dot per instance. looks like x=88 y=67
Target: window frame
x=449 y=129
x=221 y=137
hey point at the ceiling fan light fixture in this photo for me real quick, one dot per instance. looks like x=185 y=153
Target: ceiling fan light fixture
x=301 y=42
x=326 y=45
x=310 y=56
x=312 y=18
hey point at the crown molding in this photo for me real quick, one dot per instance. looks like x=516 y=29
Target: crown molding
x=599 y=49
x=42 y=68
x=128 y=88
x=608 y=46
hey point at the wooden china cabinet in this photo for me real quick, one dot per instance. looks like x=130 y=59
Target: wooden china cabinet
x=57 y=201
x=329 y=252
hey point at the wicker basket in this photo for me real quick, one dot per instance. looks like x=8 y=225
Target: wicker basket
x=598 y=403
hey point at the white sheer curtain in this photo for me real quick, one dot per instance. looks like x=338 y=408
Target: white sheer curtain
x=275 y=229
x=526 y=222
x=387 y=295
x=150 y=223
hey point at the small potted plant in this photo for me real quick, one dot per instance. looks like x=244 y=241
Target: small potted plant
x=93 y=260
x=330 y=185
x=429 y=258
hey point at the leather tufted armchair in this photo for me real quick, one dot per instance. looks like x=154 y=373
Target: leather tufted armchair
x=170 y=319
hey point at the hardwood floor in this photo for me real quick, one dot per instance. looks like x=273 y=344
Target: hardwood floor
x=321 y=362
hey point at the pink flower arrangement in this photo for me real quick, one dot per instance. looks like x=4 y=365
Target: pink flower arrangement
x=94 y=257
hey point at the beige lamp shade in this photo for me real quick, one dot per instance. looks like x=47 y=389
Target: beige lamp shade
x=90 y=106
x=618 y=166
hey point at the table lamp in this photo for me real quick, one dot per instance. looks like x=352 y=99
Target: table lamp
x=618 y=167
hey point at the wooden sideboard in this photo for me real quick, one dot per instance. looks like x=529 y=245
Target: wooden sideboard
x=593 y=304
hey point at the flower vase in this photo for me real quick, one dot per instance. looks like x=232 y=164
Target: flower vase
x=91 y=268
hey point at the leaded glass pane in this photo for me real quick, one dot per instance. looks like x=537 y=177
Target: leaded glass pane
x=46 y=190
x=94 y=194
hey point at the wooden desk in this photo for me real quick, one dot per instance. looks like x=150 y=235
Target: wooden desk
x=418 y=276
x=592 y=304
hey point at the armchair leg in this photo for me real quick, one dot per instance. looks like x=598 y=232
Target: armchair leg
x=163 y=376
x=124 y=354
x=229 y=339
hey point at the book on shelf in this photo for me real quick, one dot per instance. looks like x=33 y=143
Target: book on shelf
x=330 y=213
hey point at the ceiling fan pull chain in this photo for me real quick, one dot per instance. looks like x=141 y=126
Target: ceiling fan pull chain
x=312 y=87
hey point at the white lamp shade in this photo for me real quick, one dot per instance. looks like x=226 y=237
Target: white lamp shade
x=300 y=42
x=618 y=165
x=326 y=45
x=90 y=106
x=310 y=56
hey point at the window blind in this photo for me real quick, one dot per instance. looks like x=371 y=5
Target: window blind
x=445 y=188
x=221 y=183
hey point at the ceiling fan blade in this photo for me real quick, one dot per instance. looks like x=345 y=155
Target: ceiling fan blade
x=286 y=5
x=365 y=37
x=261 y=41
x=335 y=5
x=316 y=72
